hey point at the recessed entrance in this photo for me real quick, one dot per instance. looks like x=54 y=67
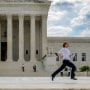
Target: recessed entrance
x=3 y=51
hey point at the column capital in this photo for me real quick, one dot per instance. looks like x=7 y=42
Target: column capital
x=44 y=16
x=32 y=16
x=9 y=16
x=21 y=16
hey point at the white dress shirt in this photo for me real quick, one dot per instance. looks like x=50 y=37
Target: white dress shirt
x=65 y=52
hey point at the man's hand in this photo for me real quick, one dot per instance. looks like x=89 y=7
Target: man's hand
x=61 y=56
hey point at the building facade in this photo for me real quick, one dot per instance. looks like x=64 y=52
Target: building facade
x=24 y=42
x=79 y=45
x=23 y=33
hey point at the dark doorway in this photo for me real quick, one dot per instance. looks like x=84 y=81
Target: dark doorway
x=3 y=51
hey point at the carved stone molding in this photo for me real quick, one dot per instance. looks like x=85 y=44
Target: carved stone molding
x=37 y=1
x=22 y=9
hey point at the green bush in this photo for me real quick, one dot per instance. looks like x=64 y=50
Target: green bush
x=85 y=68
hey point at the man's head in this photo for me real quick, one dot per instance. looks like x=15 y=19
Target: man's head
x=65 y=45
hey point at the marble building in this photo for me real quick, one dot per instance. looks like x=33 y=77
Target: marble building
x=24 y=42
x=23 y=33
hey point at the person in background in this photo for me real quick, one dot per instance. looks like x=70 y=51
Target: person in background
x=34 y=68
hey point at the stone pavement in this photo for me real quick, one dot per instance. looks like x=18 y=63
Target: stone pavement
x=44 y=83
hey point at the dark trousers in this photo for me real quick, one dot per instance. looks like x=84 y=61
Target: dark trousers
x=66 y=63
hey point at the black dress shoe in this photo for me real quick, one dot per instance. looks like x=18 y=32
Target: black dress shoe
x=52 y=77
x=74 y=78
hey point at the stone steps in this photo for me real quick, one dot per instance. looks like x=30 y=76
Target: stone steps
x=15 y=69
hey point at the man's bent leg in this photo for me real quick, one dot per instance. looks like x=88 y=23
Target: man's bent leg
x=70 y=64
x=58 y=70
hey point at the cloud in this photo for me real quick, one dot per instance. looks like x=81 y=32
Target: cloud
x=69 y=18
x=55 y=15
x=73 y=1
x=83 y=17
x=54 y=1
x=59 y=11
x=84 y=33
x=59 y=31
x=86 y=2
x=65 y=6
x=85 y=10
x=77 y=21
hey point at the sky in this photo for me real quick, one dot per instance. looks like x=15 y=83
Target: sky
x=69 y=18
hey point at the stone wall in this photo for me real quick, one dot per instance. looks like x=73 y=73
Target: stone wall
x=77 y=45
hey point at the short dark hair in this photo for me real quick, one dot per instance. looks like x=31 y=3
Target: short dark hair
x=64 y=44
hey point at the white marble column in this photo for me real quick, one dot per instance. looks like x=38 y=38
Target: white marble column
x=44 y=35
x=33 y=39
x=21 y=37
x=9 y=37
x=0 y=40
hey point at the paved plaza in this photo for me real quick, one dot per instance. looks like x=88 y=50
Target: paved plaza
x=44 y=83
